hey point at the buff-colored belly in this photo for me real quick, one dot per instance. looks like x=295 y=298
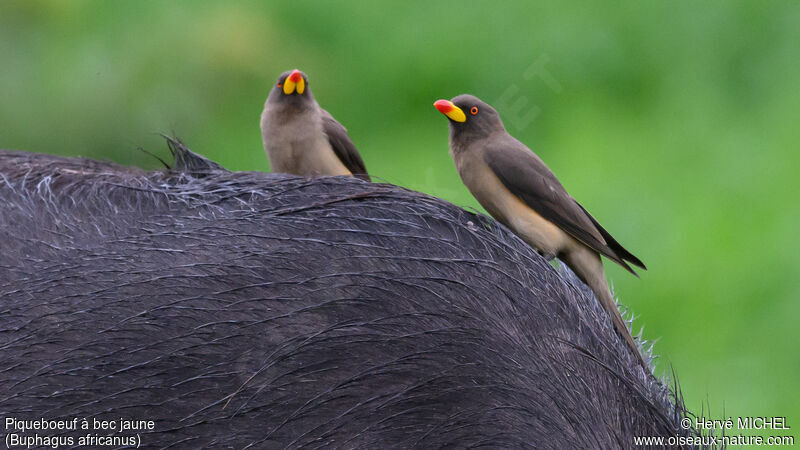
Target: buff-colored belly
x=309 y=156
x=507 y=208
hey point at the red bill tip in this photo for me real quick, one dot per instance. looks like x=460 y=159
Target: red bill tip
x=444 y=106
x=295 y=76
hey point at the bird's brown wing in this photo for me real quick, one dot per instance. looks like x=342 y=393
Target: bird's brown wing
x=616 y=246
x=527 y=177
x=343 y=146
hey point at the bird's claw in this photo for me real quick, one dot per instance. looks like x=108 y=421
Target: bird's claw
x=548 y=256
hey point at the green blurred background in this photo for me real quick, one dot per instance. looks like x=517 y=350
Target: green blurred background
x=675 y=123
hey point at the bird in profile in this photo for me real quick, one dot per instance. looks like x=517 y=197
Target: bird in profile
x=301 y=138
x=516 y=187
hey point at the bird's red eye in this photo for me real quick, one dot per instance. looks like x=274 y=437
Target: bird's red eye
x=279 y=85
x=474 y=110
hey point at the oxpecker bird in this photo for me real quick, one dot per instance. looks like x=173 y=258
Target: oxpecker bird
x=516 y=187
x=301 y=138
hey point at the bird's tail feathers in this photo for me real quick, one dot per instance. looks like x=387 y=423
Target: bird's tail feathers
x=587 y=266
x=608 y=303
x=622 y=255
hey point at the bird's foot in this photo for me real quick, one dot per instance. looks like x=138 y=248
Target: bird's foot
x=548 y=256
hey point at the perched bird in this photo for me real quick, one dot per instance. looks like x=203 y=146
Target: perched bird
x=301 y=138
x=516 y=187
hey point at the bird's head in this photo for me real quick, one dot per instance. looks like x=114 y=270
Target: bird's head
x=469 y=116
x=291 y=89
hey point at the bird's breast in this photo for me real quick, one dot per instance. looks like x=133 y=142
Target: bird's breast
x=298 y=145
x=483 y=185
